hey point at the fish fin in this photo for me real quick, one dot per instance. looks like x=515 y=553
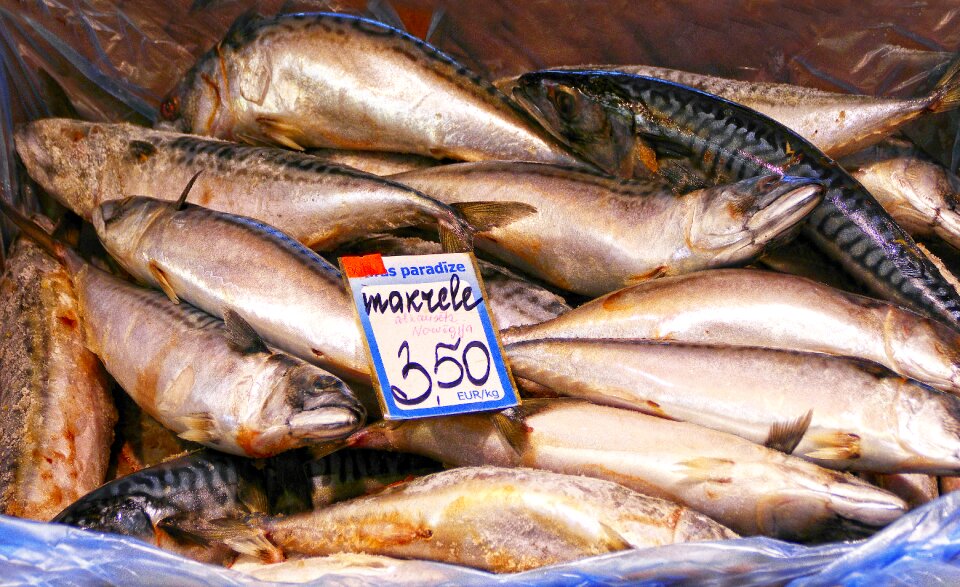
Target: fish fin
x=280 y=132
x=383 y=11
x=200 y=427
x=186 y=191
x=946 y=94
x=254 y=497
x=484 y=216
x=179 y=528
x=706 y=470
x=454 y=239
x=241 y=534
x=241 y=337
x=161 y=278
x=837 y=446
x=509 y=423
x=785 y=436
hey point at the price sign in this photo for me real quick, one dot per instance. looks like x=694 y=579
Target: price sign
x=430 y=337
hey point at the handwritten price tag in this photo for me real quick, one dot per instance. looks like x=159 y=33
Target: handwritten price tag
x=432 y=343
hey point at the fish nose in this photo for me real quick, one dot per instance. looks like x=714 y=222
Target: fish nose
x=109 y=210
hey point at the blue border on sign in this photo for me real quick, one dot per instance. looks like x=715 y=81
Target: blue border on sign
x=394 y=412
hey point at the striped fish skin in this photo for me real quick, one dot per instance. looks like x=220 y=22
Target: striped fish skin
x=861 y=417
x=500 y=520
x=744 y=307
x=84 y=164
x=513 y=300
x=626 y=231
x=837 y=124
x=335 y=80
x=623 y=122
x=254 y=403
x=291 y=297
x=745 y=486
x=57 y=417
x=920 y=194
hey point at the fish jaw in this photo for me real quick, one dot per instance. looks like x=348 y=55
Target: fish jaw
x=121 y=224
x=740 y=219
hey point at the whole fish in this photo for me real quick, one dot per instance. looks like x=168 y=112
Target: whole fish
x=920 y=194
x=152 y=504
x=626 y=231
x=336 y=80
x=747 y=487
x=84 y=164
x=344 y=567
x=623 y=122
x=56 y=410
x=501 y=520
x=837 y=124
x=212 y=384
x=837 y=412
x=290 y=295
x=375 y=162
x=513 y=300
x=744 y=307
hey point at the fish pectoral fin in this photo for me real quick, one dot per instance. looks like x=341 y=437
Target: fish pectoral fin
x=785 y=436
x=241 y=534
x=706 y=470
x=253 y=496
x=200 y=427
x=835 y=446
x=180 y=528
x=484 y=216
x=162 y=281
x=509 y=423
x=455 y=240
x=241 y=337
x=280 y=132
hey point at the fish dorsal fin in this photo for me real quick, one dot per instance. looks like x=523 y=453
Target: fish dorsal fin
x=484 y=216
x=240 y=335
x=785 y=436
x=162 y=281
x=186 y=191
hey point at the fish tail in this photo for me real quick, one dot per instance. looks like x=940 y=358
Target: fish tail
x=946 y=94
x=36 y=233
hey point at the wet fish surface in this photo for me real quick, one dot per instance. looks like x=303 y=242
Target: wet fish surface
x=920 y=194
x=85 y=164
x=838 y=124
x=626 y=231
x=745 y=307
x=747 y=487
x=624 y=122
x=836 y=412
x=336 y=80
x=502 y=520
x=209 y=382
x=57 y=416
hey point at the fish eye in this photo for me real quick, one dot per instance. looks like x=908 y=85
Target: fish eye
x=566 y=103
x=170 y=108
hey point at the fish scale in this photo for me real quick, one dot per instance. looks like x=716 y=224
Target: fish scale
x=899 y=272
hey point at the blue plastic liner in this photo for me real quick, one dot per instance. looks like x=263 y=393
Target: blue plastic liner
x=919 y=549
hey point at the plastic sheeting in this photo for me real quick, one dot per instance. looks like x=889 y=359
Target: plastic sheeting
x=115 y=60
x=919 y=549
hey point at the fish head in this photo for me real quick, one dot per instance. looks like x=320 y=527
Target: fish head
x=576 y=110
x=307 y=406
x=923 y=349
x=129 y=515
x=928 y=429
x=733 y=222
x=198 y=104
x=120 y=223
x=58 y=154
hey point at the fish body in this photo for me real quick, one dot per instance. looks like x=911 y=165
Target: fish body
x=743 y=307
x=747 y=487
x=624 y=123
x=57 y=416
x=512 y=299
x=340 y=81
x=502 y=520
x=626 y=231
x=84 y=164
x=836 y=412
x=920 y=194
x=291 y=297
x=838 y=124
x=379 y=163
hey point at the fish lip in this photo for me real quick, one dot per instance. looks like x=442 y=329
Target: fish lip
x=328 y=422
x=785 y=206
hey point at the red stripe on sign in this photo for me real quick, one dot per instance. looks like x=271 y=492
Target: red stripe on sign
x=364 y=266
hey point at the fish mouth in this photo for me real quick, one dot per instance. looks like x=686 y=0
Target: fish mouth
x=786 y=201
x=328 y=422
